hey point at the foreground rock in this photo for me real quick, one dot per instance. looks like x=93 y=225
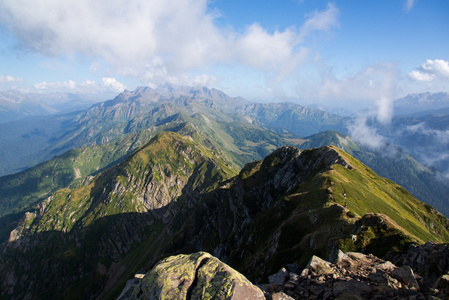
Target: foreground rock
x=194 y=276
x=351 y=275
x=358 y=276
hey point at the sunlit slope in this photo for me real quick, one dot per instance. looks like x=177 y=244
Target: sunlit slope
x=292 y=205
x=237 y=142
x=391 y=162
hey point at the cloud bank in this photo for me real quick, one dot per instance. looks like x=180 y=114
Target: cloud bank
x=107 y=85
x=430 y=70
x=9 y=79
x=156 y=40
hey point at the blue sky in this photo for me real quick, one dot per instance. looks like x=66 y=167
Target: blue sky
x=339 y=53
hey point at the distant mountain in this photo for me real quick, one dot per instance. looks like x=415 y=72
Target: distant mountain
x=339 y=111
x=294 y=118
x=26 y=143
x=174 y=195
x=15 y=105
x=426 y=138
x=237 y=142
x=242 y=131
x=416 y=103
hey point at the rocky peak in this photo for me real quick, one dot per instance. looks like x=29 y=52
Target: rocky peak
x=354 y=275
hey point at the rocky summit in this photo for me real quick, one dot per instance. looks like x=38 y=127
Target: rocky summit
x=351 y=275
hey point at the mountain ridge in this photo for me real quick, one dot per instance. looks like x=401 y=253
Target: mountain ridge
x=173 y=195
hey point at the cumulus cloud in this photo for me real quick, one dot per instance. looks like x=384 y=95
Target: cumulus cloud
x=70 y=85
x=430 y=70
x=156 y=40
x=418 y=76
x=113 y=84
x=9 y=79
x=107 y=85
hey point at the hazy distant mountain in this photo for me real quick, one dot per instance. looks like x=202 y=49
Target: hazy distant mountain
x=15 y=105
x=416 y=103
x=294 y=118
x=426 y=137
x=133 y=111
x=339 y=111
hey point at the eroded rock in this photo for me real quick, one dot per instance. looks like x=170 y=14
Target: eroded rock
x=195 y=276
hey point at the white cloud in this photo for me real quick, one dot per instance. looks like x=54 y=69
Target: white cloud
x=108 y=85
x=156 y=40
x=266 y=51
x=365 y=134
x=320 y=21
x=41 y=85
x=438 y=67
x=70 y=85
x=9 y=79
x=418 y=76
x=113 y=84
x=430 y=70
x=371 y=86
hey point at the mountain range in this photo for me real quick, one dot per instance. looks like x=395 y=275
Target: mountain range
x=15 y=105
x=173 y=195
x=156 y=172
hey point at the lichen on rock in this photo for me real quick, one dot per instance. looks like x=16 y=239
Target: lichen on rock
x=195 y=276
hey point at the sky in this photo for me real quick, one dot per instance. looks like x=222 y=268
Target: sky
x=336 y=53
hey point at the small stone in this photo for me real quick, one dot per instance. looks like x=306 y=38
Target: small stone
x=318 y=266
x=386 y=266
x=355 y=287
x=405 y=275
x=294 y=277
x=316 y=289
x=279 y=278
x=327 y=295
x=289 y=286
x=281 y=296
x=305 y=273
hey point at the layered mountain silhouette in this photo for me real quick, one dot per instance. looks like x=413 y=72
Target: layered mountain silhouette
x=160 y=172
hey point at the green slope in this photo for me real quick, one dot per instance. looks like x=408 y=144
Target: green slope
x=237 y=142
x=392 y=163
x=112 y=218
x=291 y=206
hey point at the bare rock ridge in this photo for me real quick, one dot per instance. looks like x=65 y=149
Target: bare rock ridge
x=355 y=275
x=352 y=275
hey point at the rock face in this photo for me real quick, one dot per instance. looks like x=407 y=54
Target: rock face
x=195 y=276
x=355 y=275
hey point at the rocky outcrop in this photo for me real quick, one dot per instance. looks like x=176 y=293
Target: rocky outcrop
x=355 y=275
x=351 y=275
x=195 y=276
